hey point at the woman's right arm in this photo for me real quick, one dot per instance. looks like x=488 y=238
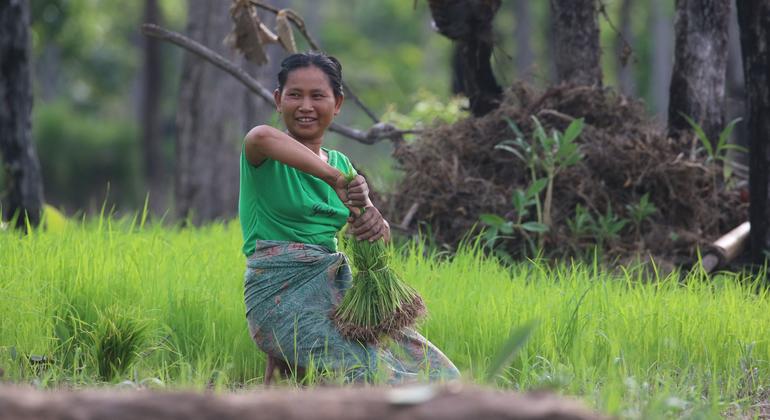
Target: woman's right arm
x=264 y=142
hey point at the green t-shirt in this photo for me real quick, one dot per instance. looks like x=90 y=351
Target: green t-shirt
x=278 y=202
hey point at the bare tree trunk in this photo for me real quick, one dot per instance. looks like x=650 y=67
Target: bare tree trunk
x=576 y=32
x=622 y=50
x=754 y=21
x=525 y=57
x=736 y=93
x=663 y=37
x=469 y=24
x=152 y=153
x=22 y=168
x=209 y=128
x=700 y=65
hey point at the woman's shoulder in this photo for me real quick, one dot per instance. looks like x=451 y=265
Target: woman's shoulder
x=338 y=159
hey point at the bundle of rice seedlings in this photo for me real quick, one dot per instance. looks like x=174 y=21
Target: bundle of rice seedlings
x=378 y=303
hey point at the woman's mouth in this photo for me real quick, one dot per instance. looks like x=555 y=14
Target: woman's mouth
x=305 y=120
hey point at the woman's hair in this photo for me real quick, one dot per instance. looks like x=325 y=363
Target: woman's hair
x=328 y=64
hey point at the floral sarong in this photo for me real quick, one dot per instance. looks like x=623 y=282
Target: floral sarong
x=290 y=289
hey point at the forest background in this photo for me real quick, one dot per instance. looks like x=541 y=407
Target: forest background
x=89 y=78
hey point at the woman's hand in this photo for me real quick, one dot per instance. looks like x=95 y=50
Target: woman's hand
x=358 y=192
x=340 y=185
x=370 y=225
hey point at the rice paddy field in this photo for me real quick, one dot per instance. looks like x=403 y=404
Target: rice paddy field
x=107 y=302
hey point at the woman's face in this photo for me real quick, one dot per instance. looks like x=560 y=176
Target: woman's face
x=307 y=103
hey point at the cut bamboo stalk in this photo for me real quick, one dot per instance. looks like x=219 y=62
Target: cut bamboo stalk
x=727 y=248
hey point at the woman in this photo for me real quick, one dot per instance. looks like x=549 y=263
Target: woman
x=294 y=199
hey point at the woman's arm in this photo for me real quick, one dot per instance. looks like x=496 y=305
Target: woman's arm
x=264 y=142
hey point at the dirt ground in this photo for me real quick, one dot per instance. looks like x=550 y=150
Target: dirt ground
x=450 y=402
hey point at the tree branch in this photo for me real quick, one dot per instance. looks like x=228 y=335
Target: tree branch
x=300 y=24
x=378 y=132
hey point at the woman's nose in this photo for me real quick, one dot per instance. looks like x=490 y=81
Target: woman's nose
x=305 y=105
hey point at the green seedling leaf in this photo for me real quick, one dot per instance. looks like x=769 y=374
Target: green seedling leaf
x=534 y=227
x=507 y=228
x=536 y=187
x=514 y=127
x=516 y=340
x=492 y=220
x=724 y=136
x=520 y=201
x=511 y=150
x=573 y=131
x=700 y=134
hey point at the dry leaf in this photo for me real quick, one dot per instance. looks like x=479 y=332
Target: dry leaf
x=246 y=35
x=285 y=33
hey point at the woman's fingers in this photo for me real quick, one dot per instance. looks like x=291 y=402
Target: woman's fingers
x=369 y=226
x=358 y=192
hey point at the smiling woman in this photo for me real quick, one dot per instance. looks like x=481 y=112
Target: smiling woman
x=294 y=199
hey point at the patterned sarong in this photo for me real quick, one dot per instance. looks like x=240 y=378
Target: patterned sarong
x=290 y=290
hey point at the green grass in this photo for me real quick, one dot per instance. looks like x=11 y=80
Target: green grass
x=165 y=306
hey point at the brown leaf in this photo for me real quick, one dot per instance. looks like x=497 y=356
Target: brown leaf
x=245 y=36
x=285 y=33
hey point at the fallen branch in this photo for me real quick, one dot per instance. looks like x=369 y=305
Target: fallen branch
x=375 y=134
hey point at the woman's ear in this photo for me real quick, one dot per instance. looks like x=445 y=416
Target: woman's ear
x=338 y=100
x=277 y=99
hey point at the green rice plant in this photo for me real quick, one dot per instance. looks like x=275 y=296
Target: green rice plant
x=118 y=341
x=378 y=303
x=639 y=345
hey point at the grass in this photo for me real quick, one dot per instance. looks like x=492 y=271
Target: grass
x=165 y=306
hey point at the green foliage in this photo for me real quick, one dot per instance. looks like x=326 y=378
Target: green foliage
x=81 y=155
x=640 y=211
x=717 y=151
x=608 y=226
x=545 y=156
x=427 y=110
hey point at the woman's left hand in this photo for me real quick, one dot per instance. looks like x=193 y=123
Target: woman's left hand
x=358 y=193
x=370 y=226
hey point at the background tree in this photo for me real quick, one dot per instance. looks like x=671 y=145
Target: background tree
x=209 y=128
x=468 y=23
x=152 y=80
x=754 y=21
x=25 y=183
x=623 y=42
x=522 y=34
x=576 y=41
x=700 y=64
x=662 y=35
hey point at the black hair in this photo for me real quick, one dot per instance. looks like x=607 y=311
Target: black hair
x=328 y=64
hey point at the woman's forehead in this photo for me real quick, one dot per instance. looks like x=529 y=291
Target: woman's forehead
x=307 y=77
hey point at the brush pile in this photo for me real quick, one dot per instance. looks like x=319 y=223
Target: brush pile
x=454 y=174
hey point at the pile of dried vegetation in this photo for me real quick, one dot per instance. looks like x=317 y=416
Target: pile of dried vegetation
x=633 y=192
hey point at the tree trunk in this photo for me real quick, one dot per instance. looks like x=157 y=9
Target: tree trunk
x=700 y=65
x=662 y=38
x=623 y=52
x=209 y=127
x=576 y=36
x=525 y=57
x=152 y=152
x=22 y=168
x=469 y=24
x=754 y=21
